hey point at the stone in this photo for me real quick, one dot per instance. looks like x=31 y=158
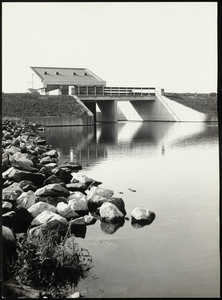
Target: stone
x=119 y=203
x=55 y=200
x=39 y=207
x=100 y=192
x=66 y=211
x=6 y=207
x=50 y=218
x=16 y=174
x=12 y=150
x=64 y=174
x=53 y=190
x=75 y=295
x=5 y=162
x=78 y=221
x=76 y=187
x=95 y=202
x=26 y=199
x=8 y=219
x=72 y=166
x=51 y=153
x=52 y=179
x=78 y=202
x=84 y=179
x=89 y=220
x=142 y=215
x=45 y=160
x=21 y=161
x=27 y=185
x=12 y=192
x=110 y=213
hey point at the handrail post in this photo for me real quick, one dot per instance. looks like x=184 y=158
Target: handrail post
x=95 y=90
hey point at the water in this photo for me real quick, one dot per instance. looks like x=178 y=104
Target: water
x=174 y=168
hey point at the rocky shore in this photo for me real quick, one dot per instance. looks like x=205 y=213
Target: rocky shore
x=41 y=198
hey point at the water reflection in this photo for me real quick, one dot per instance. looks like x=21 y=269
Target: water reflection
x=110 y=228
x=88 y=145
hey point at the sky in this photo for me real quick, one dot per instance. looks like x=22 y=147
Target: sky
x=172 y=45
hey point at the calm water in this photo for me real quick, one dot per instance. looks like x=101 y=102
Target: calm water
x=174 y=168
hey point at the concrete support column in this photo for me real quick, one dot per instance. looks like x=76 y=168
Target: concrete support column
x=108 y=110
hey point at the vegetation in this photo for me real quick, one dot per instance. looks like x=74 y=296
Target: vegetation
x=205 y=103
x=51 y=263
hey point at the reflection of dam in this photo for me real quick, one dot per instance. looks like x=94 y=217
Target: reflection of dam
x=88 y=145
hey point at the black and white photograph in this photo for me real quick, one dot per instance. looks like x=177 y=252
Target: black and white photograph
x=110 y=150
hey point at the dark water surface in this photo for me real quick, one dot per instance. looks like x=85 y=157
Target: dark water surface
x=174 y=168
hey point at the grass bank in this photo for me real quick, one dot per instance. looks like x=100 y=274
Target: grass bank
x=205 y=103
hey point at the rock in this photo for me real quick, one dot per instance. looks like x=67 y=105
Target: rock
x=76 y=187
x=84 y=179
x=119 y=203
x=12 y=150
x=78 y=221
x=51 y=153
x=8 y=219
x=9 y=250
x=5 y=162
x=16 y=174
x=89 y=220
x=75 y=295
x=53 y=190
x=52 y=179
x=52 y=220
x=12 y=192
x=26 y=199
x=110 y=213
x=45 y=160
x=64 y=174
x=23 y=219
x=66 y=211
x=21 y=161
x=55 y=200
x=78 y=202
x=100 y=192
x=142 y=215
x=39 y=207
x=6 y=207
x=72 y=166
x=95 y=202
x=27 y=185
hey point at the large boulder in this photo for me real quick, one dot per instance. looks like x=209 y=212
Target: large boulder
x=6 y=207
x=47 y=221
x=53 y=190
x=22 y=162
x=76 y=177
x=12 y=192
x=100 y=192
x=142 y=215
x=27 y=185
x=66 y=211
x=97 y=196
x=76 y=187
x=39 y=207
x=110 y=213
x=8 y=219
x=119 y=203
x=26 y=199
x=64 y=174
x=78 y=202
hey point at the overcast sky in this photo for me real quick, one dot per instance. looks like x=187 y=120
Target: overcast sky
x=172 y=45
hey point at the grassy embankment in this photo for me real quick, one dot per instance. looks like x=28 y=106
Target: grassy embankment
x=205 y=103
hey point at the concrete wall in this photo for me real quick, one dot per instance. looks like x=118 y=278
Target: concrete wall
x=108 y=111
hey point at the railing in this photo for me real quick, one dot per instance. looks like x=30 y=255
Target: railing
x=113 y=91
